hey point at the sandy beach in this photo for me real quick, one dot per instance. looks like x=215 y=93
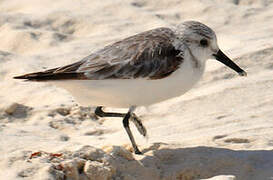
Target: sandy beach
x=219 y=130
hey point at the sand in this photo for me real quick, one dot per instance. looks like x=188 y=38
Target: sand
x=220 y=130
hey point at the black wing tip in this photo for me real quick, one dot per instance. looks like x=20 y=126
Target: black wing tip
x=40 y=76
x=20 y=77
x=32 y=76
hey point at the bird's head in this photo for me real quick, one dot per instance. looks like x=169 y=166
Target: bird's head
x=202 y=44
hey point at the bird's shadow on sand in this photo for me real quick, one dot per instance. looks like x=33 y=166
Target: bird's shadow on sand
x=205 y=162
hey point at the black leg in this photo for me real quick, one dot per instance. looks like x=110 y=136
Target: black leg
x=126 y=117
x=99 y=112
x=140 y=127
x=125 y=122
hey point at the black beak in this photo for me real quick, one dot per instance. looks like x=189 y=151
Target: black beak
x=220 y=56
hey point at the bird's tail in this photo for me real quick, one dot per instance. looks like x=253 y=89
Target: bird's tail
x=60 y=73
x=46 y=76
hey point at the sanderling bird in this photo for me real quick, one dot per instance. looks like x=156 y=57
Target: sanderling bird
x=140 y=70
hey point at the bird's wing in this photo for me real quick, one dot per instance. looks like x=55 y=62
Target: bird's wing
x=61 y=73
x=149 y=55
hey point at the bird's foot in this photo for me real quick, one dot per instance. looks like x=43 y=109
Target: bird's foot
x=140 y=127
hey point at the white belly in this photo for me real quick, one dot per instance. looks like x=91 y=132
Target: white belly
x=127 y=92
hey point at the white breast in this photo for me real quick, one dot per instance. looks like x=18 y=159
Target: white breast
x=127 y=92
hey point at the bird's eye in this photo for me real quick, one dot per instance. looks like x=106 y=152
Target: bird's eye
x=204 y=43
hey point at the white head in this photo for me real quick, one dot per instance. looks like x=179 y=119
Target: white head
x=202 y=44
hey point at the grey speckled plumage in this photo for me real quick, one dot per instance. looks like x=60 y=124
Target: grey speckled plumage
x=149 y=54
x=152 y=54
x=195 y=27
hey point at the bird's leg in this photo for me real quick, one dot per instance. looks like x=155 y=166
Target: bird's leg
x=140 y=127
x=99 y=112
x=125 y=122
x=126 y=117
